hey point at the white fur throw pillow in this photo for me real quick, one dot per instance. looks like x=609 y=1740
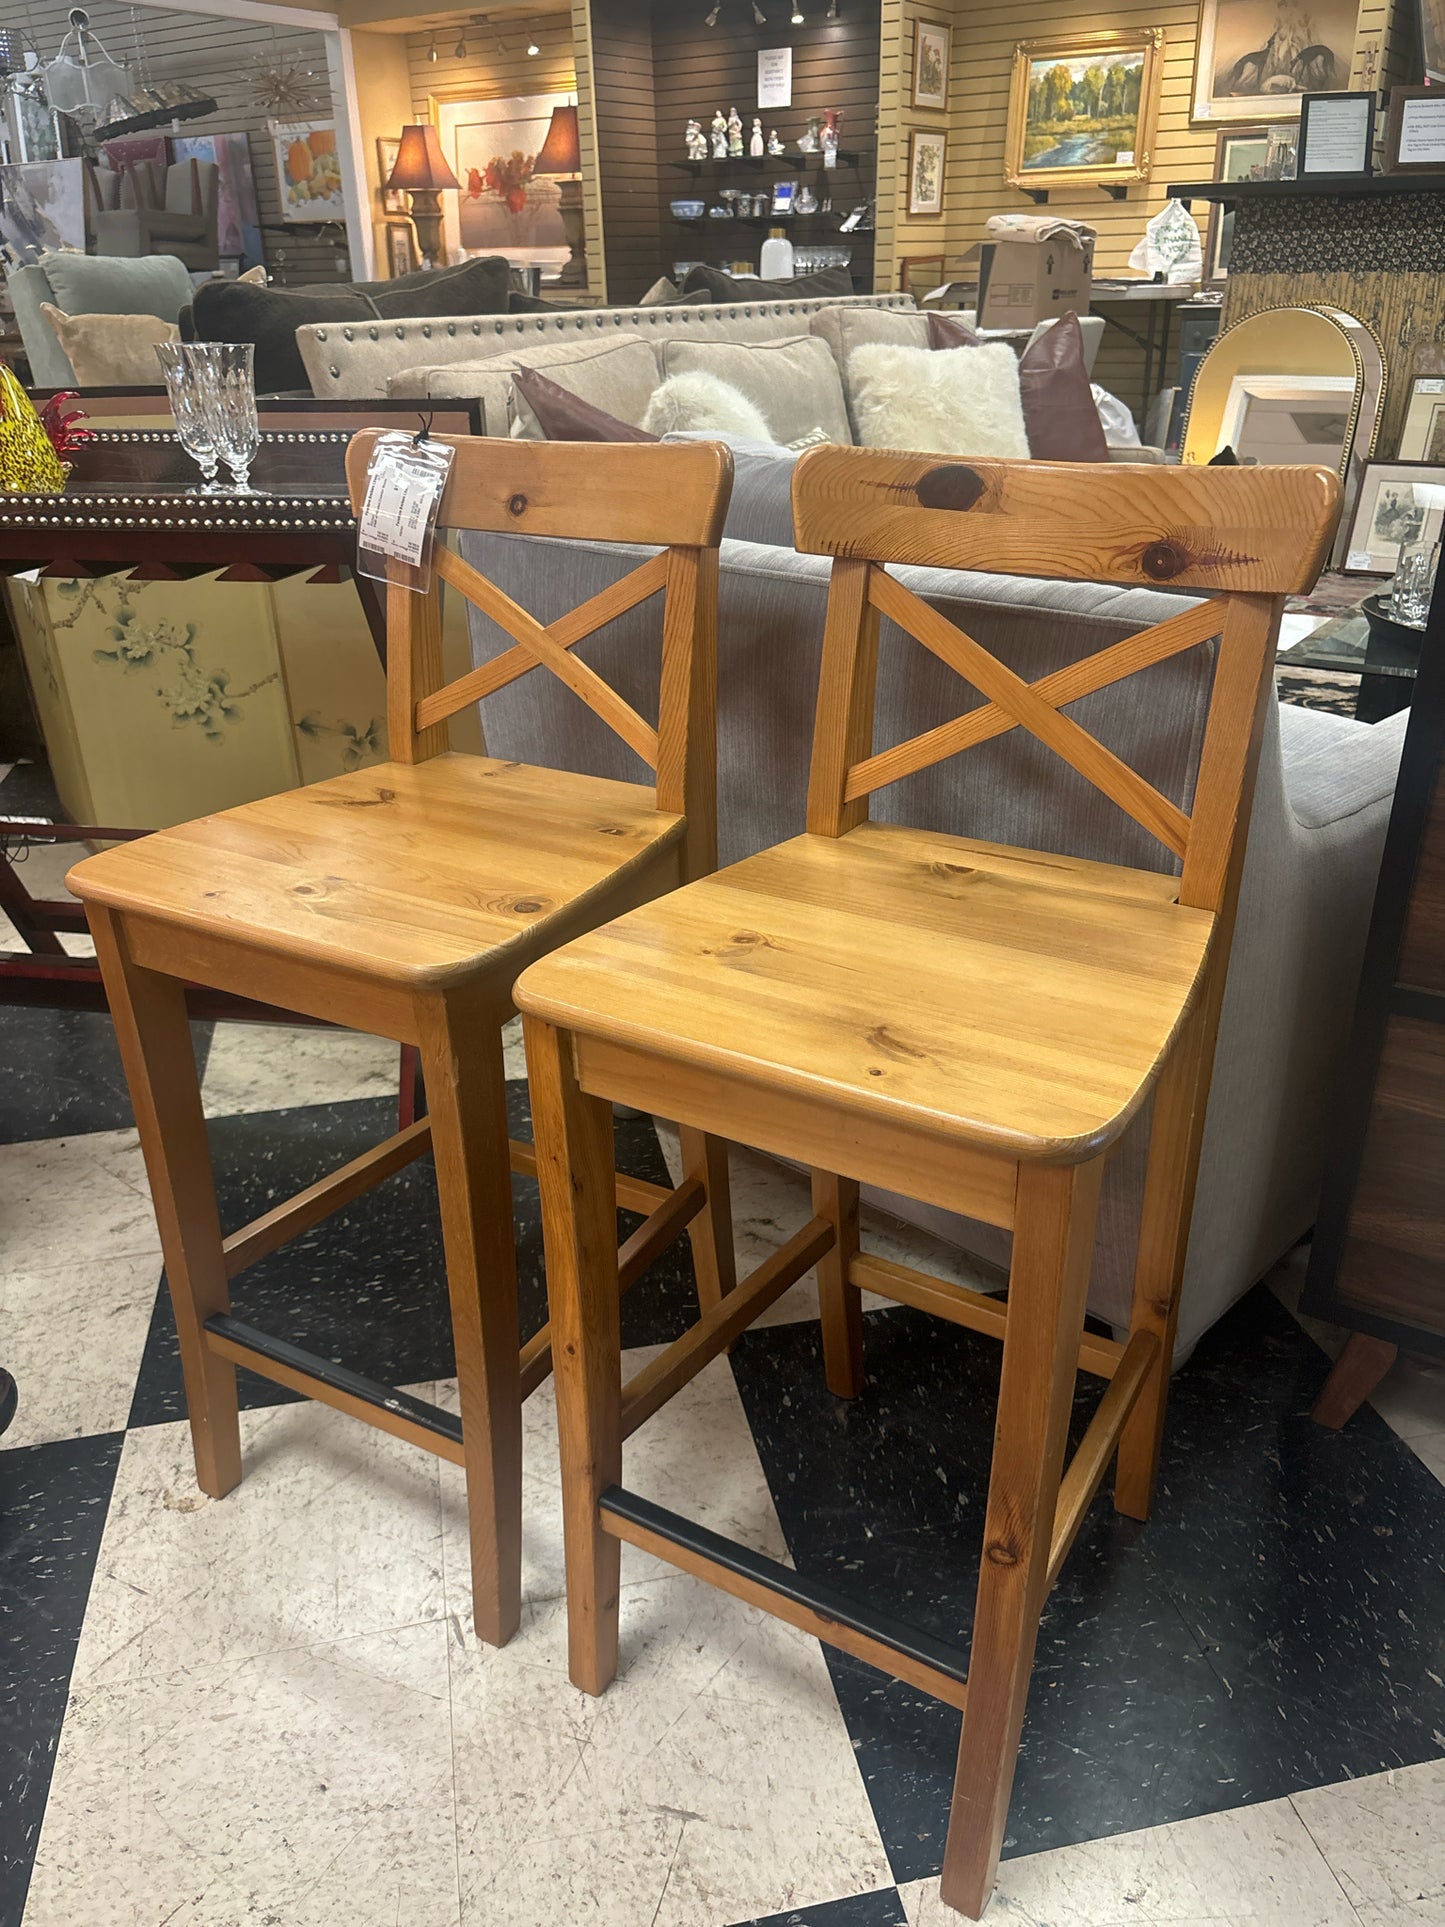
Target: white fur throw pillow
x=703 y=402
x=963 y=402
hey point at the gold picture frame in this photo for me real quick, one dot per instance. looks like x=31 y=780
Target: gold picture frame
x=1059 y=141
x=932 y=58
x=393 y=200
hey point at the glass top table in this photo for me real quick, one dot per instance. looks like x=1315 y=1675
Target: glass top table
x=1381 y=654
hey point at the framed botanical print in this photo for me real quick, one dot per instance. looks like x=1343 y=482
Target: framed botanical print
x=1256 y=59
x=932 y=53
x=393 y=200
x=1082 y=109
x=926 y=155
x=1398 y=503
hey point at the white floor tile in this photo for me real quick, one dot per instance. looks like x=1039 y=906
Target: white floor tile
x=334 y=1531
x=73 y=1340
x=1430 y=1446
x=1411 y=1397
x=713 y=1781
x=74 y=1200
x=1384 y=1838
x=311 y=1786
x=1251 y=1867
x=269 y=1067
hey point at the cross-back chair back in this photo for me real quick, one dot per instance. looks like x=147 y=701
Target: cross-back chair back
x=675 y=496
x=1242 y=538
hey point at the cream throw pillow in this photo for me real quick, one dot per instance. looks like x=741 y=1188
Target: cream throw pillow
x=931 y=404
x=111 y=350
x=793 y=382
x=703 y=403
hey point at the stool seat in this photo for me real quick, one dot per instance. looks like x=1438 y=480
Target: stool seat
x=1016 y=1002
x=416 y=873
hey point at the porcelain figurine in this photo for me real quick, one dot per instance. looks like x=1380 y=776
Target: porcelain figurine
x=808 y=143
x=696 y=141
x=735 y=135
x=775 y=146
x=756 y=145
x=719 y=136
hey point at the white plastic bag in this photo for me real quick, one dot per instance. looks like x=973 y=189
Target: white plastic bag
x=1119 y=429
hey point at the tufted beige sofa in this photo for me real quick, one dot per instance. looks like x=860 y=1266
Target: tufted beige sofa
x=359 y=360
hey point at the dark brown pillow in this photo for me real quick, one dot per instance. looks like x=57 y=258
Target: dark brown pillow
x=1059 y=413
x=565 y=417
x=947 y=331
x=724 y=287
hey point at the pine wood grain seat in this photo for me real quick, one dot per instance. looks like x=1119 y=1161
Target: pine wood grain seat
x=421 y=874
x=402 y=900
x=968 y=1025
x=1015 y=1002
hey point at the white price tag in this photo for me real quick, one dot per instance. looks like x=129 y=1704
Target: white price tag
x=1429 y=386
x=397 y=514
x=1359 y=559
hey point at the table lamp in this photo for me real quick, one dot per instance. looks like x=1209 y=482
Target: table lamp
x=561 y=155
x=421 y=170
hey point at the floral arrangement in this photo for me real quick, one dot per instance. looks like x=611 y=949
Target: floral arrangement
x=507 y=176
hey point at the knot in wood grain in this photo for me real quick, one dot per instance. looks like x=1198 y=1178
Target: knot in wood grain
x=1161 y=561
x=517 y=505
x=953 y=487
x=527 y=906
x=1000 y=1553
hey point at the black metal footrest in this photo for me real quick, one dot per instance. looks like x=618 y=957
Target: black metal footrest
x=337 y=1378
x=815 y=1605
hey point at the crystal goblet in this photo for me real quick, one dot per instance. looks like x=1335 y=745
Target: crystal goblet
x=186 y=380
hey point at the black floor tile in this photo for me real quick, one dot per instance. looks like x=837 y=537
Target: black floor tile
x=63 y=1075
x=27 y=790
x=1276 y=1626
x=53 y=1502
x=880 y=1909
x=367 y=1286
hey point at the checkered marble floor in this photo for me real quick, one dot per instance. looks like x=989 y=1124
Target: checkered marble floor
x=271 y=1709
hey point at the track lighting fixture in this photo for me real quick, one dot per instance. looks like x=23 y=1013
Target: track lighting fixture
x=758 y=15
x=431 y=52
x=459 y=52
x=711 y=20
x=532 y=47
x=797 y=14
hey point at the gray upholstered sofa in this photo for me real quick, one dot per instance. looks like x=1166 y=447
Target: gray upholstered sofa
x=1323 y=795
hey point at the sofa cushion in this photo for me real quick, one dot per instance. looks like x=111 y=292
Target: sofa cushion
x=704 y=402
x=953 y=404
x=111 y=350
x=720 y=286
x=844 y=329
x=269 y=317
x=565 y=417
x=761 y=507
x=794 y=382
x=615 y=375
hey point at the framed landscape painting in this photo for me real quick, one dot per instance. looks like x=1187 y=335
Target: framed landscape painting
x=1082 y=108
x=932 y=54
x=1256 y=58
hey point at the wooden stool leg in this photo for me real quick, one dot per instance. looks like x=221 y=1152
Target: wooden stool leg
x=461 y=1050
x=1175 y=1136
x=578 y=1182
x=1048 y=1284
x=1356 y=1372
x=154 y=1035
x=711 y=1231
x=839 y=1302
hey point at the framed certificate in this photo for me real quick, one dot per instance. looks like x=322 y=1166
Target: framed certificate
x=1415 y=131
x=1336 y=134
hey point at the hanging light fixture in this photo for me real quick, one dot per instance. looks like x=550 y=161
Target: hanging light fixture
x=459 y=52
x=82 y=78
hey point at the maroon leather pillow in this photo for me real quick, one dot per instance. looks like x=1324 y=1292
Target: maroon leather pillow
x=947 y=331
x=565 y=417
x=1059 y=413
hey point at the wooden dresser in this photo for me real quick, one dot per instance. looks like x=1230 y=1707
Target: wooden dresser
x=1378 y=1263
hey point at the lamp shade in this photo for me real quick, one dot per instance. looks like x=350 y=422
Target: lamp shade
x=420 y=162
x=561 y=152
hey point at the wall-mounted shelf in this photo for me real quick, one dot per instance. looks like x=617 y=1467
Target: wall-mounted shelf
x=1232 y=192
x=800 y=163
x=770 y=220
x=1116 y=191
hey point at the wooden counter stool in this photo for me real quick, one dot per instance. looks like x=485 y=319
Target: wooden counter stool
x=968 y=1024
x=402 y=900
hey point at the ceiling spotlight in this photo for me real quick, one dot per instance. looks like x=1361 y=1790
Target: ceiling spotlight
x=532 y=47
x=711 y=20
x=797 y=14
x=431 y=52
x=459 y=52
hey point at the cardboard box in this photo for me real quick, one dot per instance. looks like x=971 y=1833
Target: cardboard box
x=1025 y=281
